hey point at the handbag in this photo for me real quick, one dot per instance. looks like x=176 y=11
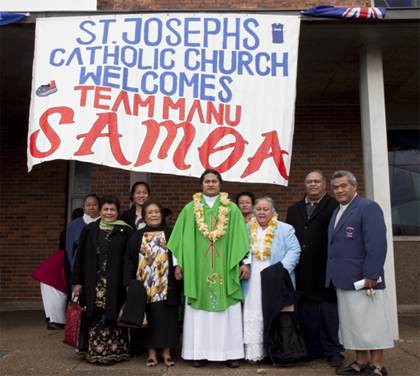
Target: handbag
x=125 y=324
x=76 y=328
x=133 y=312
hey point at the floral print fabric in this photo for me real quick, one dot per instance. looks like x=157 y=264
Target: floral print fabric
x=153 y=266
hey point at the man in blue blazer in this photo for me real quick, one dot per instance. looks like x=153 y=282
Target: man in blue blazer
x=356 y=251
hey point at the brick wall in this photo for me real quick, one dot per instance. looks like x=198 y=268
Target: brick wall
x=32 y=215
x=111 y=181
x=136 y=5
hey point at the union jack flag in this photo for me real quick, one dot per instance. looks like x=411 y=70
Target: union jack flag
x=7 y=18
x=334 y=12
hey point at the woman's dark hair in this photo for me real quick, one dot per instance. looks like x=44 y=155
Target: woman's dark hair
x=165 y=213
x=109 y=200
x=90 y=195
x=150 y=201
x=78 y=212
x=249 y=194
x=210 y=171
x=133 y=188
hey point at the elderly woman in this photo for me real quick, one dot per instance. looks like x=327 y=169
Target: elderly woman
x=140 y=192
x=72 y=234
x=148 y=260
x=97 y=276
x=271 y=241
x=245 y=202
x=74 y=228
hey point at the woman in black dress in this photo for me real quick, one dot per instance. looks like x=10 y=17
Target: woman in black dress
x=140 y=192
x=148 y=260
x=97 y=275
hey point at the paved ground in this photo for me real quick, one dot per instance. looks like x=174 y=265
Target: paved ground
x=28 y=348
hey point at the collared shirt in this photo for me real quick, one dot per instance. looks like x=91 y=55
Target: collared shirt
x=311 y=207
x=342 y=208
x=210 y=200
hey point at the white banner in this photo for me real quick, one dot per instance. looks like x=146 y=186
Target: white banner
x=167 y=93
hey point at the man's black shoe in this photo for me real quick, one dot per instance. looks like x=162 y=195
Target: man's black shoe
x=232 y=363
x=200 y=363
x=336 y=361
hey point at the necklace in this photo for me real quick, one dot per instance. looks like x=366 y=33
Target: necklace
x=219 y=230
x=262 y=251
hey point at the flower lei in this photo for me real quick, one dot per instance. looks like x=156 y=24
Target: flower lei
x=221 y=226
x=256 y=245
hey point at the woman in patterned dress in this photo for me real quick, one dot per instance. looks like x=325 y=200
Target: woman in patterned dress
x=147 y=259
x=97 y=276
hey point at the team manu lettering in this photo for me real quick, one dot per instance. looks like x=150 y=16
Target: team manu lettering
x=269 y=148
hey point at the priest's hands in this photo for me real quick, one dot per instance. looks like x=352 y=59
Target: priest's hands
x=178 y=273
x=244 y=271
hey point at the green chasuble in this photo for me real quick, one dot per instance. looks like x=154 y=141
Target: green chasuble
x=210 y=270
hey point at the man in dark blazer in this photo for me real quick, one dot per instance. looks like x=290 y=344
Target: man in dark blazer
x=318 y=306
x=356 y=252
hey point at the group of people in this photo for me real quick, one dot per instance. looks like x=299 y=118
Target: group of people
x=255 y=287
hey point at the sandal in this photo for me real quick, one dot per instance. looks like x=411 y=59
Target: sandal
x=169 y=362
x=151 y=362
x=371 y=371
x=349 y=370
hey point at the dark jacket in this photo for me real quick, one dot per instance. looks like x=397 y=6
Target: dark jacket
x=312 y=234
x=357 y=245
x=129 y=216
x=85 y=268
x=131 y=263
x=283 y=341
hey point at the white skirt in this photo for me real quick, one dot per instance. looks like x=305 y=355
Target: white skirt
x=365 y=323
x=253 y=314
x=54 y=303
x=212 y=335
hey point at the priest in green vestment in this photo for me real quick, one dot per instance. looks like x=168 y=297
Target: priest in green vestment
x=209 y=242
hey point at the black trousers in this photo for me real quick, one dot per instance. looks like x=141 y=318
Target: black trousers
x=319 y=321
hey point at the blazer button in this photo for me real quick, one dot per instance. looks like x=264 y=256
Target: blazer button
x=306 y=227
x=304 y=246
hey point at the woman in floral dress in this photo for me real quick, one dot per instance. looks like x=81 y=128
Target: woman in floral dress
x=97 y=276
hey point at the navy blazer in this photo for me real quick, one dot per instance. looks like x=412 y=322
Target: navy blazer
x=357 y=245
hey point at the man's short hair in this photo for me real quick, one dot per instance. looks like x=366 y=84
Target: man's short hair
x=211 y=171
x=319 y=172
x=342 y=173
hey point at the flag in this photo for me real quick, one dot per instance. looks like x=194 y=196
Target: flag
x=7 y=18
x=333 y=12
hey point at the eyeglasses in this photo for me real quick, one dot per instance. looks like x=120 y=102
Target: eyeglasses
x=245 y=202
